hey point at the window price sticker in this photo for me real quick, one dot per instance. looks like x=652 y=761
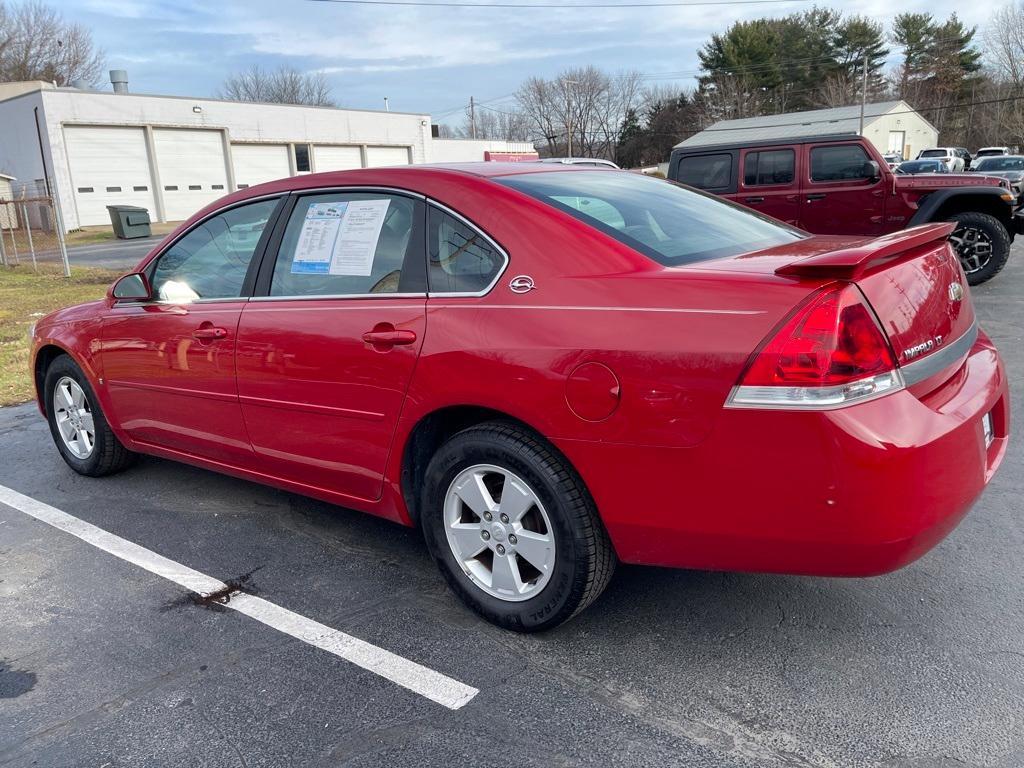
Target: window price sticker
x=340 y=238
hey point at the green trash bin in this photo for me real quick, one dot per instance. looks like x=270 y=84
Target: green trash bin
x=129 y=221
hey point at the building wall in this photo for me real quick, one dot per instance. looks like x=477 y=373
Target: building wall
x=918 y=133
x=19 y=142
x=468 y=150
x=377 y=136
x=236 y=121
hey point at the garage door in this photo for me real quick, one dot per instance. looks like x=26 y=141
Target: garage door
x=109 y=166
x=257 y=163
x=378 y=156
x=328 y=158
x=192 y=169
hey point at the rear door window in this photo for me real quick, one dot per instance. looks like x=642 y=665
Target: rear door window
x=843 y=162
x=713 y=172
x=770 y=166
x=349 y=244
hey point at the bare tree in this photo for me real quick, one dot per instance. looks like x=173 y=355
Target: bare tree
x=505 y=124
x=37 y=43
x=1004 y=40
x=281 y=86
x=583 y=107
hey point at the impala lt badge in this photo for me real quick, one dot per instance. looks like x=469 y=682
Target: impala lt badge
x=956 y=292
x=919 y=349
x=521 y=284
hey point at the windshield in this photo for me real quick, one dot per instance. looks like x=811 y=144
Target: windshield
x=670 y=223
x=999 y=164
x=934 y=153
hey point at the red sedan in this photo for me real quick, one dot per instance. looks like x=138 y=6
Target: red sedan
x=549 y=369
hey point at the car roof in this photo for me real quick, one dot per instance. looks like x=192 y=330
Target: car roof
x=399 y=176
x=707 y=149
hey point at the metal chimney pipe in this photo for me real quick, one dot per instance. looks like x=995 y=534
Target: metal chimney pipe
x=119 y=79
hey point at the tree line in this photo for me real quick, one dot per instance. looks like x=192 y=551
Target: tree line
x=970 y=85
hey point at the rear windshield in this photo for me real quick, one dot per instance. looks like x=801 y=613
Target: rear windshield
x=669 y=223
x=1002 y=163
x=916 y=166
x=934 y=153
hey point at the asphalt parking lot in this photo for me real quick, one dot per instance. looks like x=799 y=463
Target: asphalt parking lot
x=103 y=663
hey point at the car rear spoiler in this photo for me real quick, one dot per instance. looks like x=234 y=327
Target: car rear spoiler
x=850 y=262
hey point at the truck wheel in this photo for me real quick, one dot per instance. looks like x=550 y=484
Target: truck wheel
x=982 y=244
x=513 y=529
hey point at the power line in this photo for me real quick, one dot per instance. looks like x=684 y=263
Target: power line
x=545 y=6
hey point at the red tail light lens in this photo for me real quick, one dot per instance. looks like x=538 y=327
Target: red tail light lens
x=829 y=353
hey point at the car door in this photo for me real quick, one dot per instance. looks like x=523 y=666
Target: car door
x=327 y=347
x=768 y=182
x=840 y=194
x=169 y=362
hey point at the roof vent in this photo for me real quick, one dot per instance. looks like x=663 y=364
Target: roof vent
x=81 y=84
x=119 y=79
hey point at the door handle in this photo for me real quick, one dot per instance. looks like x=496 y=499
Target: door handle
x=819 y=196
x=208 y=332
x=753 y=199
x=389 y=337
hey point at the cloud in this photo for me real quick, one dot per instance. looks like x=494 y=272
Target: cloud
x=423 y=58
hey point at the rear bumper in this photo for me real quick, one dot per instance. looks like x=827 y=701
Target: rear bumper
x=852 y=492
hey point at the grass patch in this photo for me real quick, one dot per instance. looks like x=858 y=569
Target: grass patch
x=25 y=296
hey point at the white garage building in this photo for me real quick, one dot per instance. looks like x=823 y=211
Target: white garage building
x=173 y=155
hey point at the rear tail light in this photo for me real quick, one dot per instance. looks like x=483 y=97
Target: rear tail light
x=831 y=352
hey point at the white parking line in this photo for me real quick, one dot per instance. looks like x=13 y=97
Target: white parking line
x=419 y=679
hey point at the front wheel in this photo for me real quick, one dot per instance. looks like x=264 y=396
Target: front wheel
x=79 y=428
x=981 y=243
x=512 y=528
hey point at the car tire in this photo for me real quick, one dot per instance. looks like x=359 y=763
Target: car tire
x=971 y=229
x=506 y=459
x=71 y=408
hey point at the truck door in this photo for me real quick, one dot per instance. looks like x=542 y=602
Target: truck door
x=768 y=182
x=841 y=193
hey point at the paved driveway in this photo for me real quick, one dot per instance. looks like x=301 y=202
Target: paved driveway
x=107 y=664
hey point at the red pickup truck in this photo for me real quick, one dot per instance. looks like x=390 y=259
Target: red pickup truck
x=840 y=185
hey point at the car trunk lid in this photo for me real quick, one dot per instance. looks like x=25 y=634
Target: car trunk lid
x=916 y=287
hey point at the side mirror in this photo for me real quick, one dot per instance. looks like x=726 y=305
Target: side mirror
x=133 y=286
x=871 y=170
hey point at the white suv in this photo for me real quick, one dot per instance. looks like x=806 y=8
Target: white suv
x=955 y=158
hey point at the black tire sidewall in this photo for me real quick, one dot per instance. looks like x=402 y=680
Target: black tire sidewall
x=559 y=598
x=65 y=366
x=1000 y=238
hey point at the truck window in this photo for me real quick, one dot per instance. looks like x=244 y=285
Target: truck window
x=839 y=163
x=773 y=166
x=706 y=171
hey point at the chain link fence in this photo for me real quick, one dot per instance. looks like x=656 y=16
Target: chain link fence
x=31 y=230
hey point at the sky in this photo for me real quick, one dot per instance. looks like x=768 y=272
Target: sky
x=426 y=60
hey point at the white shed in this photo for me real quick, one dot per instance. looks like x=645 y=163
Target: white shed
x=8 y=216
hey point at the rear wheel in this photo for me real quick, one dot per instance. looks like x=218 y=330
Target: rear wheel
x=982 y=244
x=77 y=424
x=513 y=529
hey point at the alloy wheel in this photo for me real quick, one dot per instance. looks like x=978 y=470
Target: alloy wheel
x=973 y=246
x=74 y=418
x=499 y=532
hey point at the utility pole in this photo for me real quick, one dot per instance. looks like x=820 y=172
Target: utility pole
x=568 y=114
x=864 y=93
x=472 y=117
